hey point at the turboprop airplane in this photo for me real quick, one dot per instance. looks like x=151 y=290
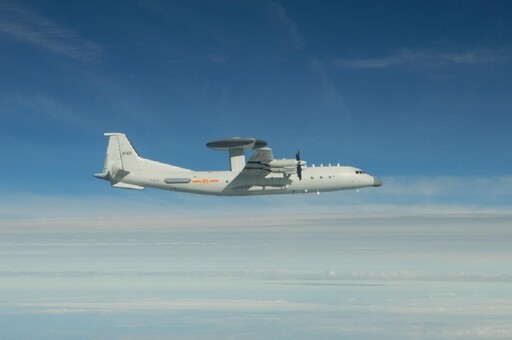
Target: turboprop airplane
x=262 y=174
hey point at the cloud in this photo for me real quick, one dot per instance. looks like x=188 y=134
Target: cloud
x=421 y=307
x=289 y=27
x=328 y=89
x=480 y=332
x=410 y=58
x=41 y=104
x=170 y=305
x=26 y=26
x=380 y=277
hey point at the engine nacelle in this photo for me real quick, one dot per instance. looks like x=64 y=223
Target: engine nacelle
x=283 y=170
x=283 y=163
x=284 y=166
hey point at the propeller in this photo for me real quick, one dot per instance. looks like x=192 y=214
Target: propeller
x=299 y=167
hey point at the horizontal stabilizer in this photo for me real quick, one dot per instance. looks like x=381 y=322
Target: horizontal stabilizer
x=102 y=175
x=126 y=186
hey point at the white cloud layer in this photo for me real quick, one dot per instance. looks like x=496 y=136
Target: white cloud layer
x=245 y=305
x=335 y=271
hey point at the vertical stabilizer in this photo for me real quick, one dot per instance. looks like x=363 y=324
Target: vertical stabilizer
x=121 y=157
x=130 y=160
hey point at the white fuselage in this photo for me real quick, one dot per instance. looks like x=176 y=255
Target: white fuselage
x=230 y=183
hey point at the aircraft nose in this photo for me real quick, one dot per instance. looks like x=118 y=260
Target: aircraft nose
x=376 y=182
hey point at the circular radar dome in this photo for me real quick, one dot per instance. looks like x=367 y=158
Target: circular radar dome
x=236 y=143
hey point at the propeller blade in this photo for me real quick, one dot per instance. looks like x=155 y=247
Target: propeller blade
x=299 y=167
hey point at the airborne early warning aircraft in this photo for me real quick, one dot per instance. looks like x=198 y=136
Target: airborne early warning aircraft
x=262 y=174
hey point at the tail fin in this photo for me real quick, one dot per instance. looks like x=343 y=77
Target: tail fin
x=121 y=158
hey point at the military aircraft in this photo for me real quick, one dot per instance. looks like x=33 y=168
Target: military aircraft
x=262 y=174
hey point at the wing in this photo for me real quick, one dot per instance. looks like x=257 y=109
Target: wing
x=259 y=162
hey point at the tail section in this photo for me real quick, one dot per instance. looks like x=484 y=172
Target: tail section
x=121 y=159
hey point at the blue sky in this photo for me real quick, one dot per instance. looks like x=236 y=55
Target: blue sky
x=399 y=89
x=417 y=93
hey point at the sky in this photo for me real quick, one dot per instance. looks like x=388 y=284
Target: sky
x=417 y=93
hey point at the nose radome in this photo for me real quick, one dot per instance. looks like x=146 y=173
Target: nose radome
x=376 y=182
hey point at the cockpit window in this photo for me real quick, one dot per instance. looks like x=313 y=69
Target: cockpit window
x=359 y=172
